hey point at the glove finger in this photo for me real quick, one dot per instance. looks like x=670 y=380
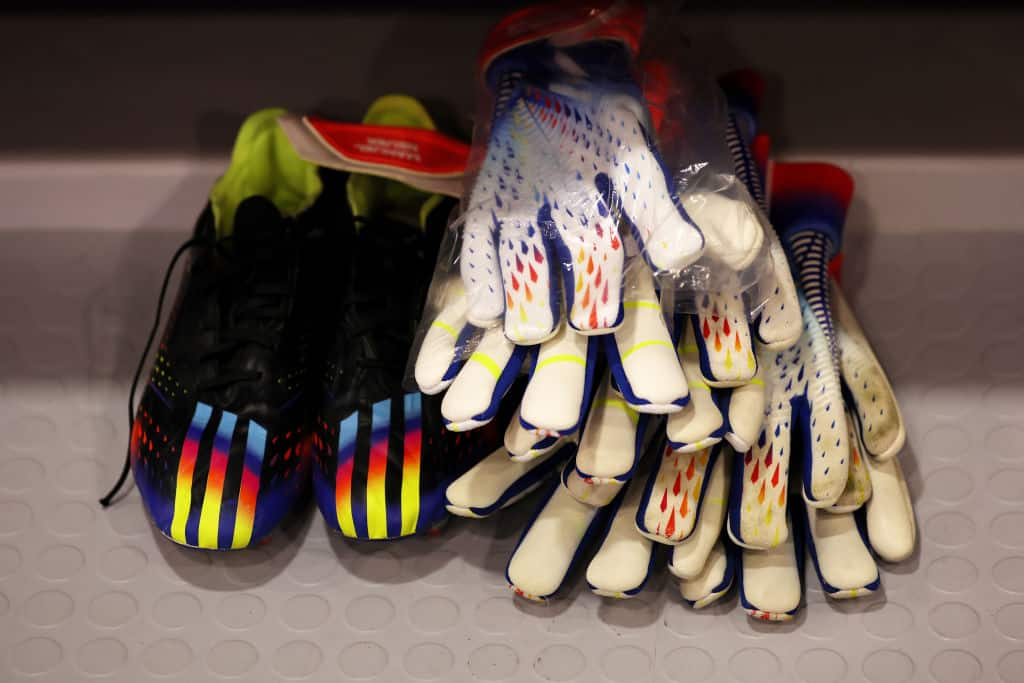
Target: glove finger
x=770 y=588
x=826 y=467
x=858 y=480
x=636 y=179
x=759 y=497
x=690 y=556
x=624 y=558
x=713 y=581
x=699 y=424
x=642 y=355
x=686 y=428
x=504 y=260
x=878 y=418
x=723 y=340
x=841 y=558
x=672 y=497
x=888 y=514
x=551 y=544
x=592 y=257
x=560 y=385
x=821 y=418
x=779 y=324
x=611 y=444
x=589 y=491
x=479 y=264
x=475 y=395
x=745 y=407
x=524 y=444
x=532 y=298
x=497 y=482
x=441 y=352
x=733 y=232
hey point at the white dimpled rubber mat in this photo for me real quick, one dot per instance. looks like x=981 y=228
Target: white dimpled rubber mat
x=93 y=594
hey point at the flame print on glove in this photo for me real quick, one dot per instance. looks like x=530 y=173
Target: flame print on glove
x=672 y=499
x=561 y=168
x=757 y=519
x=727 y=353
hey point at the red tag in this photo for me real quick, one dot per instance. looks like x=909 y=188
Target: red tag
x=835 y=267
x=580 y=21
x=658 y=81
x=413 y=150
x=815 y=178
x=761 y=151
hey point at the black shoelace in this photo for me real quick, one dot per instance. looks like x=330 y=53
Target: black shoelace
x=262 y=304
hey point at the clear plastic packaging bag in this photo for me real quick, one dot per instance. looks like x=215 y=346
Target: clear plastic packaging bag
x=599 y=150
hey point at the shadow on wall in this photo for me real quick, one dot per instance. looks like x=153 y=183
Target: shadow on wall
x=230 y=65
x=892 y=94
